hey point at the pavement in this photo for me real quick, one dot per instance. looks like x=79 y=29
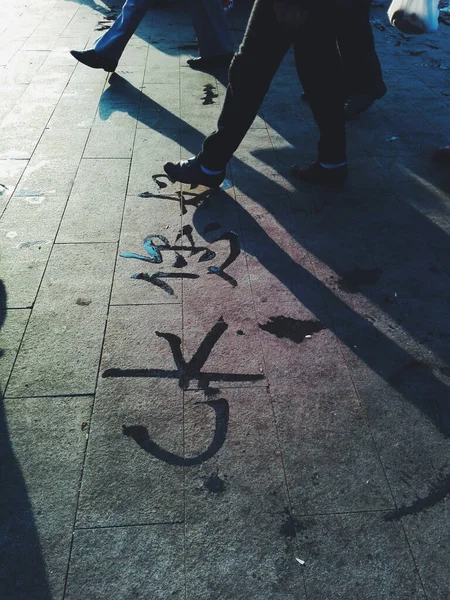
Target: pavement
x=237 y=394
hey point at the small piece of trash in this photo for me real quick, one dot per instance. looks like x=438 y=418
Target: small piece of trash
x=392 y=139
x=308 y=337
x=324 y=532
x=395 y=294
x=84 y=424
x=300 y=561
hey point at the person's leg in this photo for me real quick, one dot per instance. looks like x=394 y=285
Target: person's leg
x=319 y=69
x=211 y=28
x=362 y=70
x=113 y=42
x=253 y=67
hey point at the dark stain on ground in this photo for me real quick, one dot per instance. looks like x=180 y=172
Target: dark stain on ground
x=293 y=329
x=240 y=332
x=290 y=526
x=83 y=302
x=210 y=94
x=352 y=281
x=141 y=436
x=214 y=484
x=439 y=491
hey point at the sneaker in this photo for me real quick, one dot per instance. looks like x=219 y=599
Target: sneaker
x=315 y=173
x=221 y=61
x=93 y=59
x=189 y=171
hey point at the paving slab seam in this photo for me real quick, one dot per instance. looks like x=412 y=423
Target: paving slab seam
x=375 y=445
x=80 y=481
x=98 y=373
x=49 y=395
x=130 y=525
x=265 y=367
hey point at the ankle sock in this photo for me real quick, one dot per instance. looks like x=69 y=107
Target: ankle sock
x=332 y=165
x=209 y=172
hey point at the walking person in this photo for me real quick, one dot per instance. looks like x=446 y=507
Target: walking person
x=363 y=79
x=210 y=24
x=361 y=69
x=273 y=27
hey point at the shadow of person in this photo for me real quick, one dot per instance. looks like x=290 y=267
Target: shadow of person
x=380 y=353
x=22 y=569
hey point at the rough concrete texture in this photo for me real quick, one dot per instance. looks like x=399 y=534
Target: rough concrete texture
x=277 y=429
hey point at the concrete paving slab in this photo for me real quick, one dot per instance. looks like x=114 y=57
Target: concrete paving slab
x=377 y=565
x=39 y=492
x=138 y=384
x=77 y=107
x=60 y=351
x=151 y=150
x=143 y=217
x=14 y=324
x=10 y=173
x=28 y=229
x=141 y=561
x=99 y=189
x=127 y=479
x=18 y=143
x=239 y=529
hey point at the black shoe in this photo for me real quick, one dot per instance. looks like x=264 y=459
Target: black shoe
x=189 y=171
x=93 y=59
x=315 y=173
x=221 y=61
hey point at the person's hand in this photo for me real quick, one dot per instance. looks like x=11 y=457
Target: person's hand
x=288 y=14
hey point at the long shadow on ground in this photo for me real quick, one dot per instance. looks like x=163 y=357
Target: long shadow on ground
x=22 y=569
x=428 y=390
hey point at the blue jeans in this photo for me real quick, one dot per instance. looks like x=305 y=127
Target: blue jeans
x=209 y=20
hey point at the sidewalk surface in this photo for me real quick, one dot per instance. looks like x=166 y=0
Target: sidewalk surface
x=241 y=394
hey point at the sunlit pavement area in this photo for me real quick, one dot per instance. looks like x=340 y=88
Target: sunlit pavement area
x=237 y=394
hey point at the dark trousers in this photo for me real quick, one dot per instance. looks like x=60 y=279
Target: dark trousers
x=361 y=67
x=254 y=66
